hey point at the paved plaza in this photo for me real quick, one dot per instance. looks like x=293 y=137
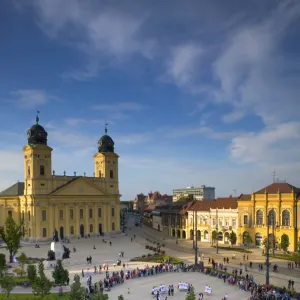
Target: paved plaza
x=140 y=288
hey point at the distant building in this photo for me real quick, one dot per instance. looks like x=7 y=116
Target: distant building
x=199 y=193
x=141 y=201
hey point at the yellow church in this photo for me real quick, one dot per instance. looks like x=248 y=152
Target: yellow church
x=75 y=206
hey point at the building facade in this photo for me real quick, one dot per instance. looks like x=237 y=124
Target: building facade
x=275 y=207
x=141 y=201
x=199 y=193
x=75 y=206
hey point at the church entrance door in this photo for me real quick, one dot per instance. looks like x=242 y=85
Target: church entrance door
x=81 y=230
x=100 y=228
x=61 y=232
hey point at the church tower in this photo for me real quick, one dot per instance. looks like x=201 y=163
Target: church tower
x=37 y=161
x=106 y=163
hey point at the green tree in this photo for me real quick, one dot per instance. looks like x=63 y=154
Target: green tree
x=214 y=236
x=120 y=297
x=7 y=285
x=232 y=238
x=11 y=234
x=284 y=244
x=31 y=273
x=60 y=275
x=186 y=198
x=77 y=291
x=42 y=285
x=191 y=295
x=99 y=296
x=248 y=240
x=2 y=263
x=22 y=261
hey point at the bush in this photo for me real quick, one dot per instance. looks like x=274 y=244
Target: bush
x=18 y=271
x=157 y=258
x=31 y=272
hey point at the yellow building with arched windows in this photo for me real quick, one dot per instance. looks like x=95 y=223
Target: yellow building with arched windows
x=279 y=201
x=73 y=205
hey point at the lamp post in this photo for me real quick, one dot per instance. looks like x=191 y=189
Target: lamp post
x=193 y=236
x=217 y=228
x=268 y=244
x=196 y=239
x=176 y=229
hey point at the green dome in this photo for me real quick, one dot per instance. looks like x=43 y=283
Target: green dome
x=106 y=143
x=37 y=134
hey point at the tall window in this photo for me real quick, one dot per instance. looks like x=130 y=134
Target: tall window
x=113 y=226
x=246 y=220
x=81 y=213
x=44 y=215
x=286 y=218
x=71 y=214
x=99 y=173
x=233 y=222
x=42 y=170
x=99 y=212
x=90 y=212
x=111 y=174
x=91 y=228
x=272 y=217
x=44 y=232
x=10 y=213
x=28 y=171
x=28 y=216
x=112 y=211
x=72 y=229
x=61 y=214
x=23 y=215
x=259 y=217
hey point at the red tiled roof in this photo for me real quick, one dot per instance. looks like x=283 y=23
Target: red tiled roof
x=281 y=187
x=206 y=205
x=244 y=197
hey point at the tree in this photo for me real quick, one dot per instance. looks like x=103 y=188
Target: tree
x=7 y=285
x=77 y=291
x=42 y=285
x=99 y=296
x=120 y=297
x=186 y=198
x=60 y=275
x=248 y=240
x=191 y=295
x=284 y=244
x=2 y=263
x=232 y=238
x=31 y=273
x=214 y=236
x=11 y=234
x=22 y=261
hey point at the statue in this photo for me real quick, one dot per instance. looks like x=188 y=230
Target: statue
x=66 y=253
x=55 y=236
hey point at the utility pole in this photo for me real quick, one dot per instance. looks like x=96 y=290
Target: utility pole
x=196 y=239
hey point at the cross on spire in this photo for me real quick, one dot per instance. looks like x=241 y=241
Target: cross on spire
x=105 y=129
x=37 y=117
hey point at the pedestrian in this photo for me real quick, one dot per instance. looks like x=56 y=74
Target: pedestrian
x=128 y=291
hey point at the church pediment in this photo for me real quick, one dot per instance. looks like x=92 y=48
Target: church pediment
x=77 y=187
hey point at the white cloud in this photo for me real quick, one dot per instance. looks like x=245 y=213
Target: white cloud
x=119 y=107
x=233 y=116
x=31 y=98
x=183 y=63
x=275 y=146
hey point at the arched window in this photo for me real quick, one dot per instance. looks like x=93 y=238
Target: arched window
x=29 y=216
x=259 y=217
x=91 y=228
x=28 y=171
x=272 y=217
x=286 y=218
x=111 y=174
x=44 y=232
x=113 y=226
x=72 y=229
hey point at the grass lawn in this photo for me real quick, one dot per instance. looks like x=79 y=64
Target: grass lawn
x=32 y=297
x=157 y=259
x=290 y=257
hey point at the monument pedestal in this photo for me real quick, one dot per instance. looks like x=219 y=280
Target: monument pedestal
x=58 y=249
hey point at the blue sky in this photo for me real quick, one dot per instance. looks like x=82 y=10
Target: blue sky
x=197 y=92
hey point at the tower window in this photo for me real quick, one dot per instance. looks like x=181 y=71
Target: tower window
x=99 y=212
x=81 y=213
x=61 y=215
x=99 y=173
x=42 y=170
x=28 y=171
x=111 y=174
x=90 y=212
x=71 y=214
x=44 y=215
x=112 y=211
x=29 y=216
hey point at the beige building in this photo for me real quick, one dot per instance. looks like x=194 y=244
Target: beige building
x=73 y=205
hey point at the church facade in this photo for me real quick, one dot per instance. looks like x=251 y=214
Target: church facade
x=75 y=206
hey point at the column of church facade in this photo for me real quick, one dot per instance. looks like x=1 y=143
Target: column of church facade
x=55 y=219
x=37 y=225
x=86 y=218
x=77 y=231
x=67 y=223
x=95 y=217
x=50 y=220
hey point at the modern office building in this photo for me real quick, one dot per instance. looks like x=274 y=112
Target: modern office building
x=199 y=193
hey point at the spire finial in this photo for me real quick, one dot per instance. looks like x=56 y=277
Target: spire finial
x=37 y=117
x=105 y=130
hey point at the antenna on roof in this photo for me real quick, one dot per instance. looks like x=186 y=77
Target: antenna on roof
x=274 y=176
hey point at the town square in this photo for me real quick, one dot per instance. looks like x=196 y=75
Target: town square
x=149 y=149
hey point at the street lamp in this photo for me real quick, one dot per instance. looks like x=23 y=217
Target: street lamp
x=268 y=244
x=196 y=239
x=217 y=228
x=176 y=229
